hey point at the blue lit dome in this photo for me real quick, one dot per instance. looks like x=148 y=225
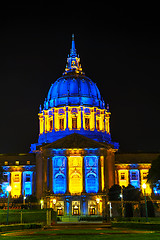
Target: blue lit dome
x=73 y=105
x=73 y=88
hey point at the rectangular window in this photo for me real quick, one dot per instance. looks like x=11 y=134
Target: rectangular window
x=134 y=176
x=123 y=176
x=16 y=178
x=97 y=125
x=27 y=182
x=28 y=178
x=61 y=123
x=5 y=177
x=74 y=123
x=145 y=174
x=87 y=124
x=51 y=125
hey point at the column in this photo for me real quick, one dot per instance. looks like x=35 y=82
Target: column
x=109 y=168
x=53 y=120
x=67 y=176
x=95 y=118
x=83 y=172
x=66 y=118
x=82 y=118
x=51 y=175
x=99 y=175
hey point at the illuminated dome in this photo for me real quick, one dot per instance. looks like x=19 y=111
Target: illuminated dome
x=74 y=105
x=73 y=88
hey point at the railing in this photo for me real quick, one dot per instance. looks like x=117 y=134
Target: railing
x=27 y=216
x=69 y=218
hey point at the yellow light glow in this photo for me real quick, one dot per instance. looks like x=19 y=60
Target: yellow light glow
x=100 y=208
x=75 y=174
x=144 y=186
x=16 y=184
x=41 y=124
x=97 y=119
x=98 y=200
x=123 y=177
x=102 y=171
x=144 y=173
x=9 y=188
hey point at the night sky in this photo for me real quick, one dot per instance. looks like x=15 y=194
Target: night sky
x=119 y=51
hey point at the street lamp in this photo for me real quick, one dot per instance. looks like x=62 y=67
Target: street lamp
x=98 y=201
x=8 y=189
x=110 y=209
x=42 y=203
x=54 y=203
x=144 y=187
x=122 y=202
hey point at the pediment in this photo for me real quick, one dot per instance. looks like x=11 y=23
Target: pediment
x=76 y=140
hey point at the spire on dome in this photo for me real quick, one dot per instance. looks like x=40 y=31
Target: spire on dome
x=73 y=61
x=73 y=49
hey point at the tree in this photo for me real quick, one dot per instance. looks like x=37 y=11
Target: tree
x=154 y=173
x=130 y=193
x=1 y=178
x=114 y=193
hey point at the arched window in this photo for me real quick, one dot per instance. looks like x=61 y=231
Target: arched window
x=97 y=125
x=50 y=125
x=74 y=123
x=91 y=174
x=87 y=123
x=59 y=174
x=61 y=123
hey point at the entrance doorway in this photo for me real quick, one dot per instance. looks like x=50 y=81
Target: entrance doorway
x=59 y=212
x=75 y=211
x=92 y=211
x=75 y=207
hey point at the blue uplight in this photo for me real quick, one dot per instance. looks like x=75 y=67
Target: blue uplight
x=27 y=182
x=59 y=174
x=134 y=178
x=156 y=189
x=91 y=174
x=5 y=184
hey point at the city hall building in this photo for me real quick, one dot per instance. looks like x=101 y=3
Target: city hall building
x=75 y=161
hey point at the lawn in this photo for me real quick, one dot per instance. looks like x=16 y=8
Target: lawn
x=85 y=234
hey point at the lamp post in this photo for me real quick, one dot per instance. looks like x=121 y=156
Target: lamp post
x=8 y=191
x=24 y=198
x=42 y=203
x=122 y=203
x=144 y=187
x=98 y=201
x=54 y=203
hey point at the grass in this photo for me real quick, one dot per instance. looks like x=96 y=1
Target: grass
x=131 y=230
x=28 y=216
x=82 y=234
x=128 y=237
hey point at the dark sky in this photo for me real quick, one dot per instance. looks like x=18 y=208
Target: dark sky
x=119 y=50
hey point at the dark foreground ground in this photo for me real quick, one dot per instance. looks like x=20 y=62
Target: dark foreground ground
x=78 y=232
